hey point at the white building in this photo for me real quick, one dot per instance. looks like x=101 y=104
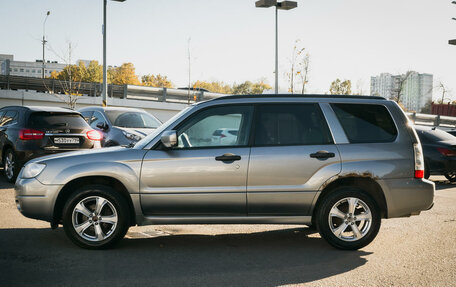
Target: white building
x=28 y=69
x=415 y=93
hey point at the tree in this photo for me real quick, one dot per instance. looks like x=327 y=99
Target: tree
x=158 y=81
x=299 y=68
x=340 y=88
x=94 y=73
x=123 y=75
x=214 y=87
x=249 y=88
x=399 y=85
x=444 y=90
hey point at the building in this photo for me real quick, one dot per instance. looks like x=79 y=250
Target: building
x=414 y=89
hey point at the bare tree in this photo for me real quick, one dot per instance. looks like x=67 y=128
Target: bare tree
x=69 y=80
x=299 y=67
x=304 y=72
x=444 y=90
x=399 y=85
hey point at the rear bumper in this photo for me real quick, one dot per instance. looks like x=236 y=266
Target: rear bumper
x=36 y=200
x=405 y=197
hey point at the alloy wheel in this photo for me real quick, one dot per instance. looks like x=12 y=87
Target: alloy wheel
x=350 y=219
x=9 y=165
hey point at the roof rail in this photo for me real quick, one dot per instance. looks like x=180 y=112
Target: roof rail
x=299 y=96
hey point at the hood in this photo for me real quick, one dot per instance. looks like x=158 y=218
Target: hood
x=78 y=153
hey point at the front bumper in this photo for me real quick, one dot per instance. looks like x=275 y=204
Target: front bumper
x=36 y=200
x=405 y=197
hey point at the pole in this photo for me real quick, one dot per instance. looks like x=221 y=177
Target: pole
x=276 y=51
x=104 y=93
x=44 y=43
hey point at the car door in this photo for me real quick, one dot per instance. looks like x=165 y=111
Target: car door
x=200 y=176
x=292 y=155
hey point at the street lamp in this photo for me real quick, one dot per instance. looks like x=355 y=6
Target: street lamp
x=452 y=42
x=284 y=5
x=44 y=42
x=104 y=92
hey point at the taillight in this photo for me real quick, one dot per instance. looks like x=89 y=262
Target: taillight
x=29 y=134
x=419 y=160
x=446 y=152
x=94 y=135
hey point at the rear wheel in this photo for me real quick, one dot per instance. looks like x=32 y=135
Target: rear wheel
x=10 y=166
x=348 y=218
x=96 y=217
x=451 y=176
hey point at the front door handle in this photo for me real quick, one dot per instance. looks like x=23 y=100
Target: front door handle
x=322 y=154
x=228 y=157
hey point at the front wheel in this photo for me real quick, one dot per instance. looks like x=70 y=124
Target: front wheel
x=96 y=217
x=348 y=218
x=451 y=176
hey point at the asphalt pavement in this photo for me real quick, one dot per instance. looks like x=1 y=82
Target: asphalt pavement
x=415 y=251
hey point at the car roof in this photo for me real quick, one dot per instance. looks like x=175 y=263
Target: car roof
x=316 y=96
x=101 y=109
x=43 y=109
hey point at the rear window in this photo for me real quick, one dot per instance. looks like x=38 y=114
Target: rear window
x=366 y=123
x=56 y=120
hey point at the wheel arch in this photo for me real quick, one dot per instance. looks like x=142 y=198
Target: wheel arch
x=365 y=184
x=74 y=184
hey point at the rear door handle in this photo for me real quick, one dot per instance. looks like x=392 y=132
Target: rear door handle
x=322 y=154
x=228 y=157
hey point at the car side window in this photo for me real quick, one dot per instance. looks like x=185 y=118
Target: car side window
x=9 y=118
x=366 y=123
x=216 y=127
x=96 y=118
x=87 y=116
x=291 y=124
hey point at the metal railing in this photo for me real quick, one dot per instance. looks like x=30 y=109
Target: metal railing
x=432 y=120
x=56 y=86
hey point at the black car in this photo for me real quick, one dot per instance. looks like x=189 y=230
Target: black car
x=119 y=125
x=439 y=150
x=30 y=132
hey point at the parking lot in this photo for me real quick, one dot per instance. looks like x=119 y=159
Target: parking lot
x=416 y=251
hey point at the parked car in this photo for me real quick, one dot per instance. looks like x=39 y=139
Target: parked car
x=452 y=132
x=224 y=136
x=341 y=163
x=439 y=149
x=120 y=126
x=30 y=132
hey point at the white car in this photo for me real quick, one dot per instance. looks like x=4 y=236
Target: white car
x=225 y=136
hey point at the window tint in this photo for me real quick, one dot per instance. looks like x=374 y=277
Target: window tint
x=9 y=118
x=366 y=123
x=206 y=128
x=142 y=120
x=56 y=120
x=97 y=117
x=291 y=124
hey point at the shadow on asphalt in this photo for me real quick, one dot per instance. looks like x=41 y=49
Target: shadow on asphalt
x=286 y=256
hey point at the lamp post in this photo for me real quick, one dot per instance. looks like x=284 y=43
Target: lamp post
x=44 y=42
x=104 y=92
x=284 y=5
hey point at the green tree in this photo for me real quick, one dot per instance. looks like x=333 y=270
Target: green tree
x=93 y=73
x=214 y=87
x=158 y=81
x=123 y=75
x=249 y=88
x=340 y=88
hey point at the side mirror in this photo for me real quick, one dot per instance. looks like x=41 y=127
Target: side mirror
x=102 y=126
x=169 y=138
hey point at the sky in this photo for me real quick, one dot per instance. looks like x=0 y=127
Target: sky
x=232 y=41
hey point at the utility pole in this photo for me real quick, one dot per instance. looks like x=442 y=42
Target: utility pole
x=44 y=43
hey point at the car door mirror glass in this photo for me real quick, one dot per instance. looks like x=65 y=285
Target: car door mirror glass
x=169 y=138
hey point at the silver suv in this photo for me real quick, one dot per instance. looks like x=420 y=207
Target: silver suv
x=340 y=163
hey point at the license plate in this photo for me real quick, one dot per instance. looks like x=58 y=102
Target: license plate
x=66 y=140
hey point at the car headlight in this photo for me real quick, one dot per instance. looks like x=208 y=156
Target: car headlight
x=131 y=136
x=32 y=170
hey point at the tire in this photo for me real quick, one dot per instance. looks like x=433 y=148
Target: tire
x=451 y=176
x=10 y=165
x=97 y=229
x=330 y=225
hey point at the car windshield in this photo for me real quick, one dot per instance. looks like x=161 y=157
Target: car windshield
x=128 y=119
x=145 y=141
x=53 y=120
